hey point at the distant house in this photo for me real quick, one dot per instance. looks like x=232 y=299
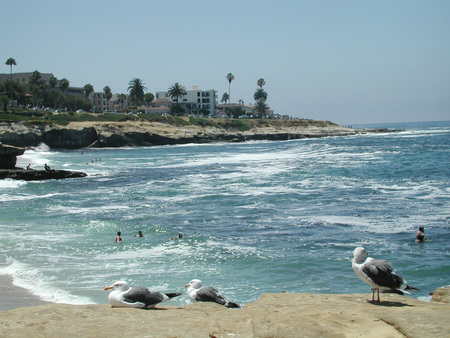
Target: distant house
x=159 y=106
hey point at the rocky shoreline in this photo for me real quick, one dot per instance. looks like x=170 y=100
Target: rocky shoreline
x=77 y=135
x=272 y=315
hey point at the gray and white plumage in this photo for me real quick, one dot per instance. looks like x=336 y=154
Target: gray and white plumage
x=198 y=293
x=378 y=273
x=137 y=297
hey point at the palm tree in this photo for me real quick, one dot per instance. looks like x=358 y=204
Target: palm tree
x=261 y=82
x=121 y=98
x=230 y=77
x=64 y=84
x=175 y=92
x=260 y=94
x=148 y=98
x=88 y=89
x=136 y=88
x=108 y=94
x=261 y=107
x=52 y=82
x=11 y=62
x=225 y=98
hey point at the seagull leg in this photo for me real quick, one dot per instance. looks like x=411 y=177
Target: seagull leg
x=373 y=296
x=378 y=292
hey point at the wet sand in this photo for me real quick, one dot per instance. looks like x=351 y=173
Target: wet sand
x=12 y=296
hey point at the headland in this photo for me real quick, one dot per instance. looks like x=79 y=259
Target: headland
x=182 y=130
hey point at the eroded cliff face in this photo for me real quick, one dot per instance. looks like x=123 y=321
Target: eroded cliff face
x=140 y=133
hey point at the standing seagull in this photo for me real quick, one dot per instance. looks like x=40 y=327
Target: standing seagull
x=138 y=297
x=377 y=273
x=198 y=293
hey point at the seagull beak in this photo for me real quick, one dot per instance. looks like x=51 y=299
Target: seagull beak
x=108 y=288
x=186 y=285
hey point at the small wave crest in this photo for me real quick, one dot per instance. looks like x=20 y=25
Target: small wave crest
x=31 y=279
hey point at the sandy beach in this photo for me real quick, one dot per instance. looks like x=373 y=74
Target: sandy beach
x=272 y=315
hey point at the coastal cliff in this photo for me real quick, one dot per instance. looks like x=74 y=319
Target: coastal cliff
x=78 y=135
x=272 y=315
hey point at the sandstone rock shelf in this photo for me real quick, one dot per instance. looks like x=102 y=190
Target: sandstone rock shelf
x=78 y=135
x=272 y=315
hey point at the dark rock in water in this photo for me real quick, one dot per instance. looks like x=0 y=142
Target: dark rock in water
x=8 y=156
x=37 y=175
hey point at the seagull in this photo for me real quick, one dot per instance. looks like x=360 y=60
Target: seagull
x=198 y=293
x=378 y=274
x=137 y=297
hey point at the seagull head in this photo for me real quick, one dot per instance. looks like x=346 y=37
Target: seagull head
x=195 y=284
x=359 y=255
x=119 y=285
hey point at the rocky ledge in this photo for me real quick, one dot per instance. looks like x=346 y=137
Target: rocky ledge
x=78 y=135
x=272 y=315
x=38 y=175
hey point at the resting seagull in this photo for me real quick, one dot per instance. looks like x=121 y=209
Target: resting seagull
x=198 y=293
x=138 y=297
x=378 y=274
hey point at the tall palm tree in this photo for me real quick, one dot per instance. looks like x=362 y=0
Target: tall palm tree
x=88 y=89
x=121 y=98
x=52 y=82
x=260 y=94
x=136 y=88
x=108 y=94
x=175 y=92
x=230 y=77
x=261 y=107
x=261 y=82
x=11 y=62
x=64 y=84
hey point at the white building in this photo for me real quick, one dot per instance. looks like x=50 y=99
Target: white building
x=195 y=100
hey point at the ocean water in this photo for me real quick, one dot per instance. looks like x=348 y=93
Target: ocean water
x=256 y=217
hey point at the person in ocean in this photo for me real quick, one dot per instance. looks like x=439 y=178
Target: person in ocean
x=420 y=236
x=47 y=167
x=180 y=236
x=139 y=234
x=118 y=239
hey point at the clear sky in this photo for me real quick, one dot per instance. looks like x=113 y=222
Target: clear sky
x=350 y=62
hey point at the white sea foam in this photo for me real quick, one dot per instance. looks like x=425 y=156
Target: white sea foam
x=36 y=283
x=11 y=184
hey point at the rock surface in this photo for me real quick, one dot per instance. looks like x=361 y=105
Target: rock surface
x=38 y=175
x=8 y=156
x=143 y=133
x=273 y=315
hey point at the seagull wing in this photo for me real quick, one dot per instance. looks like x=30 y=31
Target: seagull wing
x=144 y=295
x=381 y=273
x=210 y=294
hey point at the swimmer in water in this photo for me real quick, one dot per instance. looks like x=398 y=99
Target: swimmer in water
x=118 y=239
x=420 y=236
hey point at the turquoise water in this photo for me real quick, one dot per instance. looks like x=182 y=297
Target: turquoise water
x=256 y=217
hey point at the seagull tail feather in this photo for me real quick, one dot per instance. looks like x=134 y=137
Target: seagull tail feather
x=232 y=305
x=412 y=288
x=173 y=294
